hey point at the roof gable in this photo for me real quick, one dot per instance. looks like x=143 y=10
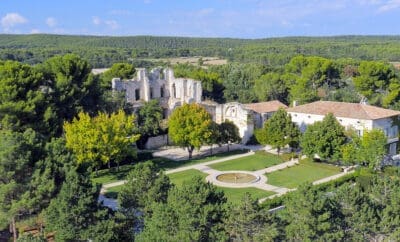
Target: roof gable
x=265 y=107
x=344 y=110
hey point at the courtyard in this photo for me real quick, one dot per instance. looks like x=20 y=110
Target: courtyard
x=272 y=174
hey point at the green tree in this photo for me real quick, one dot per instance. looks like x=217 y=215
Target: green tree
x=75 y=213
x=228 y=133
x=117 y=70
x=238 y=80
x=372 y=147
x=271 y=86
x=249 y=222
x=215 y=138
x=70 y=87
x=22 y=103
x=194 y=212
x=149 y=119
x=368 y=149
x=101 y=139
x=279 y=131
x=361 y=214
x=48 y=175
x=374 y=77
x=190 y=127
x=145 y=185
x=304 y=75
x=312 y=216
x=324 y=138
x=18 y=153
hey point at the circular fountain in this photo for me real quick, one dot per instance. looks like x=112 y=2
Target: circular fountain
x=237 y=178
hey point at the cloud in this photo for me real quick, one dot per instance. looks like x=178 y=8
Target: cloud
x=96 y=20
x=12 y=19
x=112 y=24
x=389 y=5
x=35 y=31
x=51 y=22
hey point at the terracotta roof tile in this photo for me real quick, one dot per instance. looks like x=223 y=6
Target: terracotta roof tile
x=345 y=110
x=265 y=107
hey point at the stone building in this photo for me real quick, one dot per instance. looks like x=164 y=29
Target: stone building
x=356 y=116
x=159 y=84
x=174 y=92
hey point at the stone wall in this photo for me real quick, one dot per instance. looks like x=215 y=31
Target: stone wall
x=157 y=142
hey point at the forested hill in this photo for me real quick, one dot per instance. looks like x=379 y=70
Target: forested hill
x=140 y=42
x=102 y=51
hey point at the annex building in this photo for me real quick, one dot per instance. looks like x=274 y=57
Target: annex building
x=356 y=116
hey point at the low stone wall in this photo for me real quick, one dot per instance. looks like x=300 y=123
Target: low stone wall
x=157 y=142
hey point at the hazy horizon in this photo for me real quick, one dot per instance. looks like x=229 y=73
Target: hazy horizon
x=244 y=19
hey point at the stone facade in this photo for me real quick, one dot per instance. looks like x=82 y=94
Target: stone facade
x=159 y=84
x=174 y=92
x=157 y=142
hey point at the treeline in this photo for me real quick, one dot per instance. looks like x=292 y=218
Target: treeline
x=102 y=51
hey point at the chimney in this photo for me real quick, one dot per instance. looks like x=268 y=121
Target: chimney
x=294 y=103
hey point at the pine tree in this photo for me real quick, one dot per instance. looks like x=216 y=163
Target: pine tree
x=75 y=213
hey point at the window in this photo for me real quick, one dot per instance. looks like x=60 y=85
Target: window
x=137 y=94
x=173 y=91
x=151 y=92
x=162 y=91
x=165 y=113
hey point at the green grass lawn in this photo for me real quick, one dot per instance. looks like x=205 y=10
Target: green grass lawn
x=111 y=175
x=184 y=176
x=234 y=195
x=258 y=161
x=306 y=171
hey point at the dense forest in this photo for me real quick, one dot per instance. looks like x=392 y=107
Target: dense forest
x=104 y=51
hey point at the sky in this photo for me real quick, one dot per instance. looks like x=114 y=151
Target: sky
x=201 y=18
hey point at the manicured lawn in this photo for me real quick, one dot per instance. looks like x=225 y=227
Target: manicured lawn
x=184 y=176
x=235 y=195
x=111 y=175
x=258 y=161
x=306 y=171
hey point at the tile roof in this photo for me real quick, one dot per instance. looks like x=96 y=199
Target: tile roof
x=344 y=110
x=265 y=107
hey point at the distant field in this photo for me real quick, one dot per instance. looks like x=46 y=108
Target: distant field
x=207 y=61
x=396 y=64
